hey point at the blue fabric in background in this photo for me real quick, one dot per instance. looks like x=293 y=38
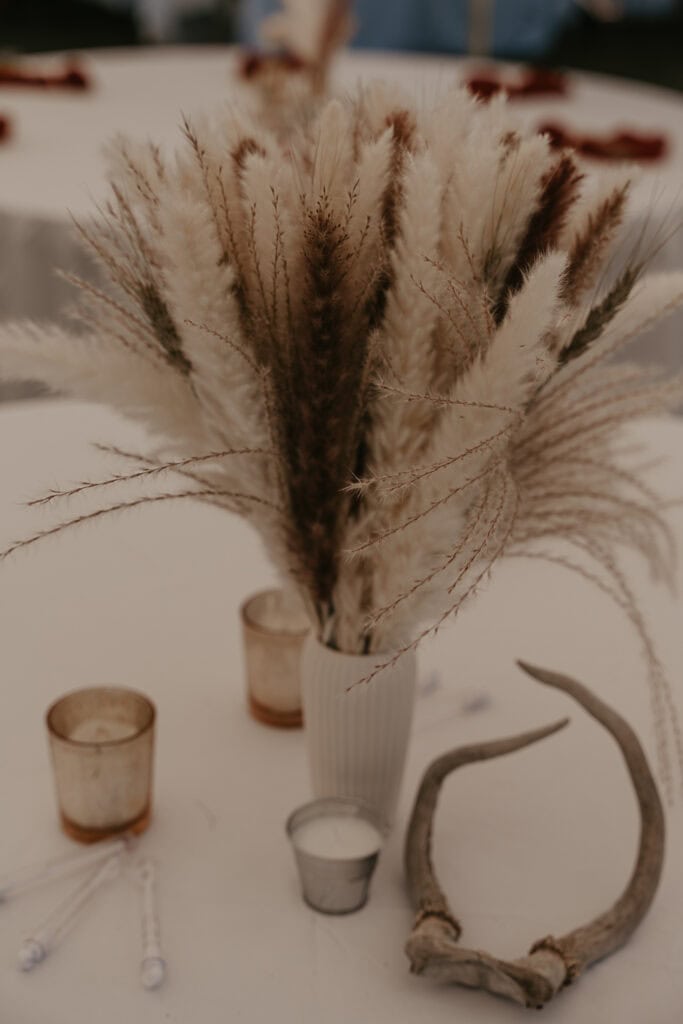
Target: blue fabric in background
x=520 y=27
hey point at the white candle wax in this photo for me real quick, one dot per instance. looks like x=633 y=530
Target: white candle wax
x=101 y=730
x=337 y=836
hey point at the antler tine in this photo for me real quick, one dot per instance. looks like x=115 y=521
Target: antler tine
x=552 y=963
x=610 y=930
x=425 y=892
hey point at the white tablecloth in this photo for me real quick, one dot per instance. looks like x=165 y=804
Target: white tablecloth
x=55 y=163
x=540 y=842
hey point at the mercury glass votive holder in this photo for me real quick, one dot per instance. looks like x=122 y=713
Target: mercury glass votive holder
x=274 y=627
x=336 y=845
x=102 y=746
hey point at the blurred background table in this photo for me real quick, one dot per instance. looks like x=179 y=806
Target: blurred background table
x=542 y=841
x=55 y=165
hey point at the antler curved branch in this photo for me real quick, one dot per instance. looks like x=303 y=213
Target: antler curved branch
x=551 y=963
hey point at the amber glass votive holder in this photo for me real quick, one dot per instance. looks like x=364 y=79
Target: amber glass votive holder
x=102 y=747
x=274 y=627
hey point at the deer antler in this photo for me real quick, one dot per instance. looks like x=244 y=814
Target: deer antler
x=551 y=963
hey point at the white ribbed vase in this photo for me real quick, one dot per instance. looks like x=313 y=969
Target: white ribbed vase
x=357 y=735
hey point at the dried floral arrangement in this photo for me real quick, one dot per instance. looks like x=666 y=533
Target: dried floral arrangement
x=386 y=345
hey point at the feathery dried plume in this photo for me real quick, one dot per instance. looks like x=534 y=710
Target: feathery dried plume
x=375 y=343
x=591 y=238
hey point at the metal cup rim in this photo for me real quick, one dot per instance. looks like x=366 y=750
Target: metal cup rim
x=347 y=807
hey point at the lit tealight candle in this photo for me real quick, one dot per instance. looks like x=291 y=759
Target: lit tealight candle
x=336 y=845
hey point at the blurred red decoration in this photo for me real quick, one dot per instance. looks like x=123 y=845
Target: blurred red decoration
x=620 y=145
x=72 y=77
x=254 y=63
x=532 y=82
x=5 y=128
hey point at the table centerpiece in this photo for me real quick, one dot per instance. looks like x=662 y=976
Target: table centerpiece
x=384 y=340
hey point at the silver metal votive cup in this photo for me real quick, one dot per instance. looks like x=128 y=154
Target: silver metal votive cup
x=334 y=884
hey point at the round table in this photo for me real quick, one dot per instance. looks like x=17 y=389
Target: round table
x=539 y=842
x=55 y=165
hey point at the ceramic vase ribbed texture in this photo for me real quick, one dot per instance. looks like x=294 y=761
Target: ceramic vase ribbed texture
x=357 y=733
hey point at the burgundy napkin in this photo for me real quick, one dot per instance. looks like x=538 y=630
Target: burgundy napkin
x=533 y=82
x=254 y=63
x=618 y=145
x=71 y=77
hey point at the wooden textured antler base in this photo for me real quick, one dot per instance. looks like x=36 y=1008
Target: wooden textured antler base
x=551 y=963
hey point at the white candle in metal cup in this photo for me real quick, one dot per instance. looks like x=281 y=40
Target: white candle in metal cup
x=336 y=845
